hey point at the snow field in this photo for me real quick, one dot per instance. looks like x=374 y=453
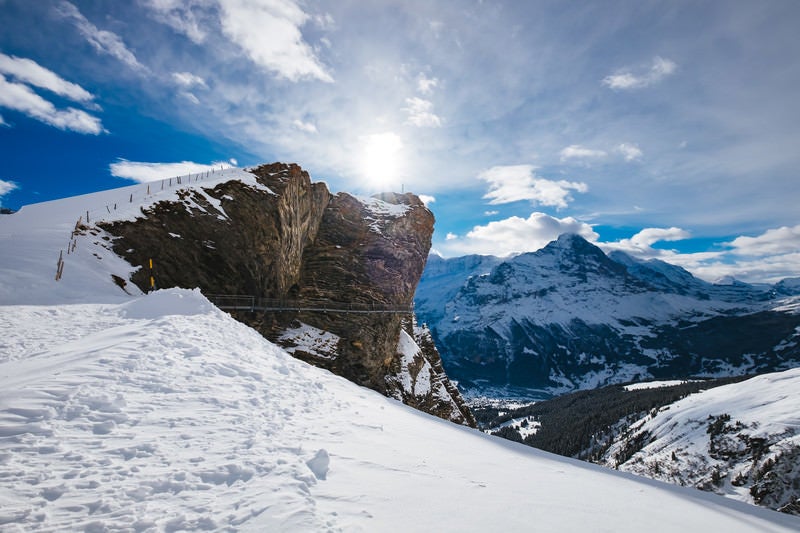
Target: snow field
x=164 y=414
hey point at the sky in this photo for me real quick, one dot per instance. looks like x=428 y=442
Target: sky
x=669 y=130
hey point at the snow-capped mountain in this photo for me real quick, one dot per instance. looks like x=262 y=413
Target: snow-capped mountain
x=571 y=317
x=159 y=412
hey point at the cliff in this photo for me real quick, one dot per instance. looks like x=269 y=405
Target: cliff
x=291 y=241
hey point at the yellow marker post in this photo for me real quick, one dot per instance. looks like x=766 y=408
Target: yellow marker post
x=152 y=279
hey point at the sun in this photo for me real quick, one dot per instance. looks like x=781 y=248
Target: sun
x=381 y=160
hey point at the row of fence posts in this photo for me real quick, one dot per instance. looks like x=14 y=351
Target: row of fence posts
x=73 y=240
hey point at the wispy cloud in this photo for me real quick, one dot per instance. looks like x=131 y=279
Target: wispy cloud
x=519 y=182
x=576 y=151
x=269 y=33
x=627 y=79
x=22 y=98
x=188 y=80
x=103 y=41
x=184 y=16
x=426 y=85
x=307 y=127
x=515 y=235
x=143 y=172
x=420 y=113
x=6 y=187
x=28 y=71
x=629 y=151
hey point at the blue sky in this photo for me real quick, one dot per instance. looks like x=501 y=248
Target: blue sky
x=669 y=130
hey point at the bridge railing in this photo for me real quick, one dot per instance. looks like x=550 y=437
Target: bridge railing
x=251 y=303
x=232 y=301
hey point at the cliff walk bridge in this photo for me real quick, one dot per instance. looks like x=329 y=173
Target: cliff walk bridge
x=235 y=302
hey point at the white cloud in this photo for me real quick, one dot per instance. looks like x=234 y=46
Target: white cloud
x=426 y=85
x=182 y=16
x=516 y=235
x=325 y=22
x=629 y=151
x=518 y=182
x=6 y=187
x=767 y=269
x=427 y=199
x=30 y=72
x=420 y=113
x=641 y=244
x=191 y=97
x=188 y=80
x=307 y=127
x=626 y=80
x=144 y=172
x=491 y=213
x=769 y=257
x=103 y=41
x=269 y=33
x=3 y=122
x=774 y=241
x=576 y=151
x=21 y=98
x=451 y=236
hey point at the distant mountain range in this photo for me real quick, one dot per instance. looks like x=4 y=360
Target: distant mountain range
x=570 y=317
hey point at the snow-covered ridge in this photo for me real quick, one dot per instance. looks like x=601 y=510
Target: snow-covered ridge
x=126 y=203
x=37 y=238
x=164 y=413
x=728 y=439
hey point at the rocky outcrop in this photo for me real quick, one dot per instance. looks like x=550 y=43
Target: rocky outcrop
x=290 y=240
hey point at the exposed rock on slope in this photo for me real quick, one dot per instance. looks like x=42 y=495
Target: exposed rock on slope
x=290 y=240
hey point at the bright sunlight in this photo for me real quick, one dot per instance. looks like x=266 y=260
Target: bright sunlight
x=381 y=160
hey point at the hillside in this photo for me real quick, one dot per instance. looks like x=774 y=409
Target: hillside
x=569 y=317
x=163 y=413
x=737 y=437
x=266 y=234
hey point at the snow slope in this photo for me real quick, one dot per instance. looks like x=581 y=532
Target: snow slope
x=33 y=238
x=163 y=413
x=724 y=439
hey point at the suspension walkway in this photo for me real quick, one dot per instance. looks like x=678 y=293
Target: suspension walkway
x=233 y=302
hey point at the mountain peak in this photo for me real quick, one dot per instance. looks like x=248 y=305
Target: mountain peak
x=573 y=249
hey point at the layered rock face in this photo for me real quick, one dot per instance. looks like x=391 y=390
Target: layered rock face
x=293 y=241
x=231 y=239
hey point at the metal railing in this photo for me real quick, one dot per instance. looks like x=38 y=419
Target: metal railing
x=236 y=302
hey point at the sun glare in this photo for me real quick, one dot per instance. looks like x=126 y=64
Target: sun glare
x=381 y=160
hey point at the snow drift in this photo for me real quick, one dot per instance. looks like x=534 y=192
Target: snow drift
x=163 y=413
